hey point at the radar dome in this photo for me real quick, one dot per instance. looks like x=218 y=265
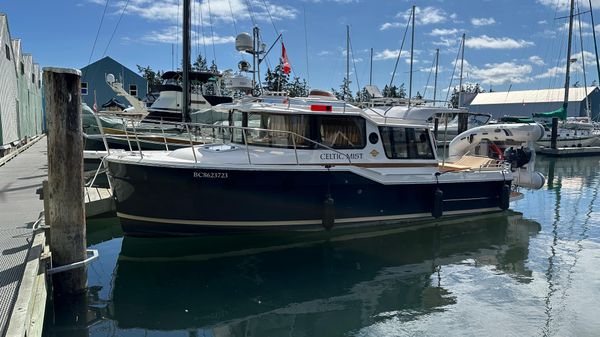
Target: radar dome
x=243 y=42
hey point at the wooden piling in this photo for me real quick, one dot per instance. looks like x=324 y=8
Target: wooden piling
x=66 y=210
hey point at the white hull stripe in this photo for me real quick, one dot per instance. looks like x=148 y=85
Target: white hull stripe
x=294 y=222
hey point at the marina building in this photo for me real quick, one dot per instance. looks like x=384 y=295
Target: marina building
x=93 y=81
x=21 y=112
x=526 y=102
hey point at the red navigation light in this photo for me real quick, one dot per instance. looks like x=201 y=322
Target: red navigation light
x=316 y=107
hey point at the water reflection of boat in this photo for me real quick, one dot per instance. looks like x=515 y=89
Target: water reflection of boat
x=329 y=285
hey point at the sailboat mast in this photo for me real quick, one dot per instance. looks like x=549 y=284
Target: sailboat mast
x=462 y=62
x=587 y=103
x=347 y=81
x=554 y=134
x=595 y=44
x=371 y=69
x=437 y=61
x=570 y=40
x=185 y=108
x=412 y=48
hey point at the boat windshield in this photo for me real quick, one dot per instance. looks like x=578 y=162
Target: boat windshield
x=303 y=131
x=406 y=142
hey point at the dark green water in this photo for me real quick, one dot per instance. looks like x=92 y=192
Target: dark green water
x=531 y=272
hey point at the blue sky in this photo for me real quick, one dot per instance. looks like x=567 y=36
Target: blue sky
x=510 y=43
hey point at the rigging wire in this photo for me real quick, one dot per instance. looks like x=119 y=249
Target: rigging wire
x=98 y=32
x=453 y=70
x=270 y=17
x=306 y=45
x=212 y=33
x=116 y=27
x=249 y=5
x=428 y=77
x=232 y=18
x=354 y=64
x=400 y=52
x=203 y=35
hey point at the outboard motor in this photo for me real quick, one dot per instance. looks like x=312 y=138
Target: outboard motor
x=517 y=158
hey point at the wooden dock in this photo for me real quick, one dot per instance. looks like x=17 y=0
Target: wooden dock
x=570 y=151
x=22 y=246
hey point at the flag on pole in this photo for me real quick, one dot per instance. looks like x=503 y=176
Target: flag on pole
x=284 y=60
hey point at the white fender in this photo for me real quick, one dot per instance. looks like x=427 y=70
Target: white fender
x=520 y=132
x=528 y=179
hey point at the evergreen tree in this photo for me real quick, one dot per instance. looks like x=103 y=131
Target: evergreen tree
x=200 y=64
x=153 y=78
x=297 y=88
x=276 y=80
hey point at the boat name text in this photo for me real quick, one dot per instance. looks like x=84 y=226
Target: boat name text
x=340 y=156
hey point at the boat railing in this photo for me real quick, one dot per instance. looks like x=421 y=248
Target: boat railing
x=196 y=134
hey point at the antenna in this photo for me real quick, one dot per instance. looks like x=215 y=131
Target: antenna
x=412 y=48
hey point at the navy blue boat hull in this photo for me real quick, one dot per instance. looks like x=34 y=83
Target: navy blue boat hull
x=153 y=200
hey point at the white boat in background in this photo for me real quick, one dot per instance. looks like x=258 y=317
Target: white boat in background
x=205 y=93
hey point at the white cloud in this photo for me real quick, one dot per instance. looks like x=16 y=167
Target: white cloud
x=551 y=72
x=423 y=16
x=388 y=25
x=486 y=42
x=443 y=32
x=388 y=54
x=172 y=34
x=538 y=61
x=482 y=21
x=170 y=11
x=576 y=65
x=498 y=73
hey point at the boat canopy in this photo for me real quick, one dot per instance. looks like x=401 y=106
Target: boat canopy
x=516 y=119
x=560 y=113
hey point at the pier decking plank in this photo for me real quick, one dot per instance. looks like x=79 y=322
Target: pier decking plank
x=20 y=208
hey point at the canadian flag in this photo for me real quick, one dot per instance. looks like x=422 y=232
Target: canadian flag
x=284 y=60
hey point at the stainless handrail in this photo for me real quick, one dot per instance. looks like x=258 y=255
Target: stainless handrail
x=162 y=129
x=137 y=140
x=244 y=130
x=126 y=133
x=191 y=143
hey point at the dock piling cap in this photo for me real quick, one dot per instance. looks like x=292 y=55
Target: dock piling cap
x=63 y=70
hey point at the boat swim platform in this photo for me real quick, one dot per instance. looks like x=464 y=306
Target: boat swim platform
x=22 y=246
x=98 y=201
x=570 y=151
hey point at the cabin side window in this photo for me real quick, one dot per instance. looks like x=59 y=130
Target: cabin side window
x=406 y=143
x=84 y=88
x=7 y=50
x=341 y=132
x=274 y=130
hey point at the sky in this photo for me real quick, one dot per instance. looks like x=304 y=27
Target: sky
x=510 y=44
